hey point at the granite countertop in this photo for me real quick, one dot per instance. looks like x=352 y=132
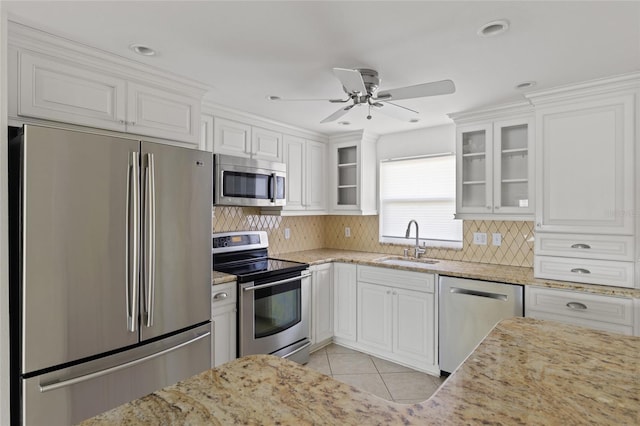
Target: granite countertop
x=525 y=371
x=481 y=271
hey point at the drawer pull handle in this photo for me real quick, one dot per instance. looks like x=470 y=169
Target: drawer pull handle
x=581 y=246
x=576 y=306
x=220 y=296
x=580 y=271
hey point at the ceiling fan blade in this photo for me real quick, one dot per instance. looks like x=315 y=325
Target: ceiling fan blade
x=396 y=111
x=339 y=113
x=351 y=80
x=279 y=99
x=443 y=87
x=403 y=107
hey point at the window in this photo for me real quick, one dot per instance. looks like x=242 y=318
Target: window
x=423 y=189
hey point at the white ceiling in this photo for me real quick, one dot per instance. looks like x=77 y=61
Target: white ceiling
x=248 y=50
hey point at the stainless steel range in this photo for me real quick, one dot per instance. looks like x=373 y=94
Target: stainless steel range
x=273 y=296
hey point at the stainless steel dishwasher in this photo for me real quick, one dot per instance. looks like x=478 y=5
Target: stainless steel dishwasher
x=468 y=311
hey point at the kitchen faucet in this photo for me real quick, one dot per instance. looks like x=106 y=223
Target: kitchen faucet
x=418 y=250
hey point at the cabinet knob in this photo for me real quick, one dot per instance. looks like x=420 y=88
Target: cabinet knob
x=488 y=207
x=388 y=291
x=122 y=122
x=395 y=293
x=497 y=207
x=538 y=225
x=132 y=123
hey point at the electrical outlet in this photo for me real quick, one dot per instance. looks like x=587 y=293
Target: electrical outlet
x=287 y=233
x=347 y=232
x=480 y=238
x=496 y=239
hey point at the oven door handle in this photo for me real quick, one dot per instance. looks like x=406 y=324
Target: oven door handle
x=288 y=280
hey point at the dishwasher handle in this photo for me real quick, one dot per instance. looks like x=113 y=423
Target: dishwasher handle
x=478 y=293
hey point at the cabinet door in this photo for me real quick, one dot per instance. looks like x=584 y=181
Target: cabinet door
x=294 y=157
x=162 y=114
x=224 y=335
x=231 y=137
x=413 y=325
x=585 y=164
x=474 y=160
x=322 y=304
x=266 y=144
x=345 y=292
x=316 y=172
x=59 y=91
x=374 y=316
x=513 y=183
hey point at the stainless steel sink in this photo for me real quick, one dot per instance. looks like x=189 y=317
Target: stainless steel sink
x=404 y=261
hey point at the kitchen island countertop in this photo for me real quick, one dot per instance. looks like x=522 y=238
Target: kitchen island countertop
x=524 y=372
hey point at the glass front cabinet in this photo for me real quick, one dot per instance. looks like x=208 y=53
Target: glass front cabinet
x=495 y=169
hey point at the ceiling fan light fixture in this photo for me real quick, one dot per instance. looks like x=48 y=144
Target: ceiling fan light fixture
x=525 y=85
x=414 y=120
x=494 y=28
x=143 y=50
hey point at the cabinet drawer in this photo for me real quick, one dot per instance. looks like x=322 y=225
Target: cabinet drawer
x=419 y=281
x=605 y=272
x=582 y=306
x=224 y=294
x=606 y=247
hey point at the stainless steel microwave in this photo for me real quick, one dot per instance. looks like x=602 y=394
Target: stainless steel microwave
x=244 y=182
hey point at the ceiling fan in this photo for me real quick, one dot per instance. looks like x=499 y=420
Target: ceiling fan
x=361 y=87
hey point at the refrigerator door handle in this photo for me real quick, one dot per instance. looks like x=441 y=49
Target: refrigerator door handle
x=64 y=383
x=150 y=212
x=132 y=243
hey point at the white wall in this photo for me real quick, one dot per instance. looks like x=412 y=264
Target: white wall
x=4 y=277
x=430 y=140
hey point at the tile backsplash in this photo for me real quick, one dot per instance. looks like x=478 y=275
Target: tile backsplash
x=313 y=232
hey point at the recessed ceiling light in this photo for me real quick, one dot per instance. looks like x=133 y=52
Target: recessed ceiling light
x=273 y=98
x=143 y=50
x=525 y=85
x=344 y=123
x=414 y=120
x=494 y=28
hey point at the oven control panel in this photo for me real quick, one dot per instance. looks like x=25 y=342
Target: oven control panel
x=239 y=240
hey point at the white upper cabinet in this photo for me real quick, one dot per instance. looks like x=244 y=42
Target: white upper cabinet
x=162 y=114
x=243 y=140
x=306 y=171
x=58 y=80
x=231 y=137
x=65 y=92
x=585 y=162
x=495 y=163
x=353 y=171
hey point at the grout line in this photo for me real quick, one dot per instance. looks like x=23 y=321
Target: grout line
x=382 y=378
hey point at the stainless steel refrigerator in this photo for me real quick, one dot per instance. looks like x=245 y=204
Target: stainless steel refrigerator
x=110 y=271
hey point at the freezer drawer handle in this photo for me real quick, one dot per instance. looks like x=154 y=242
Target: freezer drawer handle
x=478 y=293
x=96 y=374
x=581 y=246
x=576 y=306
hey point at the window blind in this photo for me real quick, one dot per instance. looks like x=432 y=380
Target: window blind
x=423 y=189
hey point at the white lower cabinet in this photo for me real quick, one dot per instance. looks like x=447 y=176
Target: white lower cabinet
x=223 y=323
x=608 y=313
x=345 y=303
x=321 y=304
x=396 y=316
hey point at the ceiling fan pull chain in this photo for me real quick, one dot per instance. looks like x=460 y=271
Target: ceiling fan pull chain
x=369 y=116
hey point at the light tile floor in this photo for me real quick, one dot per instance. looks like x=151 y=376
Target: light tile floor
x=385 y=379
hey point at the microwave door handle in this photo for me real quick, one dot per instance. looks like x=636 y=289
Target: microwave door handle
x=273 y=187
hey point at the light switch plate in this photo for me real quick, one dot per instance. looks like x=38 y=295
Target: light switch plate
x=347 y=232
x=496 y=239
x=287 y=233
x=480 y=238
